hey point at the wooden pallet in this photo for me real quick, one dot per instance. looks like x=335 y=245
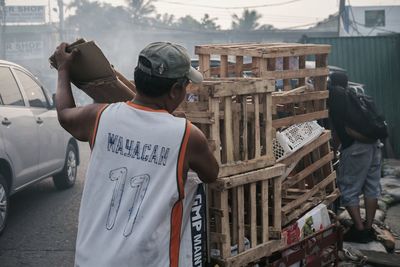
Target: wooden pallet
x=309 y=179
x=245 y=206
x=235 y=115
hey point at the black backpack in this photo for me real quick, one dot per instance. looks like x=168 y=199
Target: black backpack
x=363 y=116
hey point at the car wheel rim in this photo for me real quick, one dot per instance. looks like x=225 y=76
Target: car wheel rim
x=71 y=166
x=3 y=205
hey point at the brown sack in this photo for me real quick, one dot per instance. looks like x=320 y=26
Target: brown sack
x=92 y=73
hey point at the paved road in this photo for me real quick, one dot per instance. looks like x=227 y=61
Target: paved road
x=42 y=224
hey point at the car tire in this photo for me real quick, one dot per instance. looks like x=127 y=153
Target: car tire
x=67 y=177
x=4 y=203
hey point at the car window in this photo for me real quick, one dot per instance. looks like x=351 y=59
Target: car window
x=9 y=91
x=33 y=91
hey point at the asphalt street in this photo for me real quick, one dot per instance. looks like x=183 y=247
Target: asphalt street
x=42 y=223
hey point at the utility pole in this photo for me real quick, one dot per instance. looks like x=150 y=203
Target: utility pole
x=3 y=29
x=341 y=10
x=61 y=18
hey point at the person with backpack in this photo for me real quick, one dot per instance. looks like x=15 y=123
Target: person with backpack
x=133 y=207
x=358 y=128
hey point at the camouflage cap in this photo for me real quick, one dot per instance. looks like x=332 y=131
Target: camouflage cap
x=168 y=61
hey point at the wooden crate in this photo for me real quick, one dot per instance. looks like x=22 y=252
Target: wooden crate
x=236 y=117
x=309 y=179
x=283 y=62
x=245 y=206
x=268 y=60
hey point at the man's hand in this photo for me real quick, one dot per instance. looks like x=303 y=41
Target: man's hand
x=63 y=58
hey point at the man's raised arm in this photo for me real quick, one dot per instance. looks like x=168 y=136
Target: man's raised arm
x=78 y=121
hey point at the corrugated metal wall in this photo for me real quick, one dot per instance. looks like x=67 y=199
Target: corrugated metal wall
x=375 y=62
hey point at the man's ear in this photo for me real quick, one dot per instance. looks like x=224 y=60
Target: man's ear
x=176 y=91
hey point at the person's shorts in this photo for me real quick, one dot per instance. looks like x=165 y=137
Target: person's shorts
x=359 y=172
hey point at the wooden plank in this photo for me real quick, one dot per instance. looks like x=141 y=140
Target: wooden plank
x=274 y=52
x=286 y=82
x=291 y=74
x=254 y=254
x=217 y=238
x=269 y=130
x=265 y=52
x=302 y=65
x=299 y=118
x=248 y=177
x=228 y=129
x=236 y=134
x=239 y=66
x=234 y=211
x=223 y=201
x=253 y=215
x=277 y=186
x=286 y=99
x=290 y=181
x=255 y=66
x=242 y=88
x=257 y=136
x=215 y=127
x=321 y=61
x=204 y=65
x=240 y=214
x=264 y=212
x=310 y=193
x=245 y=151
x=224 y=66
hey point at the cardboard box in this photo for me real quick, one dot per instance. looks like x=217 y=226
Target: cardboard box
x=313 y=221
x=92 y=73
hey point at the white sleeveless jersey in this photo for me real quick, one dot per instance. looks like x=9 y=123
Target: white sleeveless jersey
x=133 y=202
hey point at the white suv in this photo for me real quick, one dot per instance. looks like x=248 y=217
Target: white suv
x=33 y=145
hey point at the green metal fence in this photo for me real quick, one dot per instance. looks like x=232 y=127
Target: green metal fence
x=374 y=62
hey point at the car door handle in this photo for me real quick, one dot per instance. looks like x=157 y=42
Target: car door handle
x=39 y=120
x=5 y=122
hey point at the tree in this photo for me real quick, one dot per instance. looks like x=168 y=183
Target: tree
x=165 y=19
x=189 y=23
x=141 y=10
x=209 y=23
x=247 y=22
x=93 y=19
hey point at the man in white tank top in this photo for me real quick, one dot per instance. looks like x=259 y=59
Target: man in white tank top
x=135 y=202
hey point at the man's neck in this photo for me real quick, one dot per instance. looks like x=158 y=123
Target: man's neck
x=153 y=103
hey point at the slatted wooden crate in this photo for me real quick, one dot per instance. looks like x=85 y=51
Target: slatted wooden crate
x=268 y=60
x=245 y=206
x=237 y=197
x=280 y=62
x=309 y=179
x=235 y=115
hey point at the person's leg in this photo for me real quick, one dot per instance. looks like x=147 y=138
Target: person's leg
x=372 y=187
x=371 y=205
x=353 y=169
x=354 y=212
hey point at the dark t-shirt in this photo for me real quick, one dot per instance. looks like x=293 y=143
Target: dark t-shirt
x=338 y=113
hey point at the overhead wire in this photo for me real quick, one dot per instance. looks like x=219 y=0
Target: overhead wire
x=224 y=7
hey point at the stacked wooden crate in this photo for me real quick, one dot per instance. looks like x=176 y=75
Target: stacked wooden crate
x=240 y=116
x=244 y=204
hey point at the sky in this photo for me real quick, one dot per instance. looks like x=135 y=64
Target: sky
x=281 y=14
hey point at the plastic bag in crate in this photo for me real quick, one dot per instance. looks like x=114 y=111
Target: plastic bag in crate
x=295 y=137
